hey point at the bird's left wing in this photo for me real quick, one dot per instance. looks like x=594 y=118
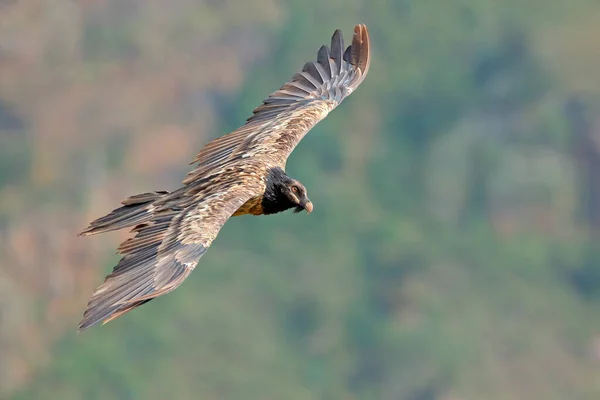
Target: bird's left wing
x=286 y=115
x=167 y=248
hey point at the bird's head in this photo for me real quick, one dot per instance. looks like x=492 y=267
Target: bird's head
x=296 y=194
x=283 y=193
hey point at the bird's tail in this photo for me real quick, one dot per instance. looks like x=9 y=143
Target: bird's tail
x=135 y=210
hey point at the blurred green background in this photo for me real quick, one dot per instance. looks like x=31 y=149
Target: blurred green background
x=452 y=253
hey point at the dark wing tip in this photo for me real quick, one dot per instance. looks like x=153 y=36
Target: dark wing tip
x=152 y=265
x=317 y=80
x=337 y=44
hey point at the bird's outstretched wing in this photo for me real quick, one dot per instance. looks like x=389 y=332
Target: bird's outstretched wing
x=286 y=115
x=167 y=246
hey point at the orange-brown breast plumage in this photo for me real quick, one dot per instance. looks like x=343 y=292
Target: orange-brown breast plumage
x=252 y=207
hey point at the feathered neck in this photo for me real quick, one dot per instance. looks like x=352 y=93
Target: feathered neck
x=275 y=199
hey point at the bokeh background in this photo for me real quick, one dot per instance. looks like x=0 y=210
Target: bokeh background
x=453 y=251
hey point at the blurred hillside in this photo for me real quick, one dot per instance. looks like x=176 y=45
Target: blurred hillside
x=452 y=253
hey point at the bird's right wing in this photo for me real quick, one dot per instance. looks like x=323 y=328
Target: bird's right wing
x=286 y=115
x=167 y=247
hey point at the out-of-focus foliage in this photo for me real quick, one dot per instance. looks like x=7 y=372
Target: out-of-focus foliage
x=452 y=253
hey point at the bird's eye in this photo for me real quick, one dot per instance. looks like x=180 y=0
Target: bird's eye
x=295 y=189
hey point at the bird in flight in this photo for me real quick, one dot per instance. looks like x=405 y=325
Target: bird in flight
x=242 y=172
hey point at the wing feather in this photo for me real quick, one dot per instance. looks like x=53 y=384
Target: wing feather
x=323 y=58
x=337 y=52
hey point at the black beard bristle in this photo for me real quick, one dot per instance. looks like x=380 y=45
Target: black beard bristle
x=298 y=209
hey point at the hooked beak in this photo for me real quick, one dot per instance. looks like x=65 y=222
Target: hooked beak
x=304 y=205
x=308 y=206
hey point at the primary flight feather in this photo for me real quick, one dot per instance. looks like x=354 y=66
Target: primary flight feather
x=240 y=173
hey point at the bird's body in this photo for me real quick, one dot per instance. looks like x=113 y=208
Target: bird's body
x=240 y=173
